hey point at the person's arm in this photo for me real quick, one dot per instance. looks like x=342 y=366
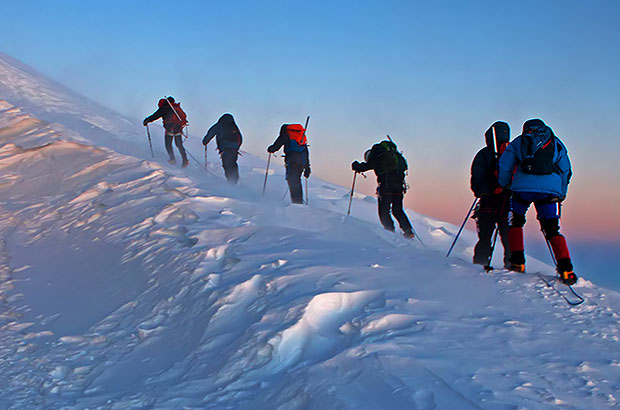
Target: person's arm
x=279 y=142
x=564 y=168
x=210 y=134
x=155 y=116
x=507 y=163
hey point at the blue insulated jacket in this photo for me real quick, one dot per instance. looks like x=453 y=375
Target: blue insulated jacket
x=555 y=183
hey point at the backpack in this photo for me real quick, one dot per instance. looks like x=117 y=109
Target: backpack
x=539 y=154
x=390 y=160
x=297 y=138
x=180 y=118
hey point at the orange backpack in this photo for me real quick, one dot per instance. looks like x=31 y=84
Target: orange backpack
x=297 y=137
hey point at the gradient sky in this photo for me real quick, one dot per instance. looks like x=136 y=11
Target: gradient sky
x=432 y=74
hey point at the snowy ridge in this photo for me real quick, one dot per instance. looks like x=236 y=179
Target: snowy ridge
x=128 y=283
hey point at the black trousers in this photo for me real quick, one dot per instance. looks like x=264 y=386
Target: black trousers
x=229 y=163
x=492 y=212
x=393 y=201
x=178 y=141
x=293 y=178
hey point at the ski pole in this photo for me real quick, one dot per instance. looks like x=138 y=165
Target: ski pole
x=352 y=190
x=555 y=262
x=488 y=266
x=266 y=173
x=285 y=192
x=148 y=134
x=206 y=163
x=305 y=129
x=415 y=234
x=463 y=225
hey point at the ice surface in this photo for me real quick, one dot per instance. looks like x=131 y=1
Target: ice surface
x=126 y=282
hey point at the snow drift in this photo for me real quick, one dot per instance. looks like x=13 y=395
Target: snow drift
x=128 y=283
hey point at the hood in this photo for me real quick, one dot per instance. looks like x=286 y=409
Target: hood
x=497 y=135
x=226 y=119
x=537 y=131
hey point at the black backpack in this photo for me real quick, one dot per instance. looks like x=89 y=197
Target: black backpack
x=390 y=160
x=539 y=154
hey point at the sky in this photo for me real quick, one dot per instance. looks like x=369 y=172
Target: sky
x=432 y=75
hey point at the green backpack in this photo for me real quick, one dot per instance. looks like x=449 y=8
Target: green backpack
x=390 y=160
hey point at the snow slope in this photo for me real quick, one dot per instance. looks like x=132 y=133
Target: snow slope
x=128 y=283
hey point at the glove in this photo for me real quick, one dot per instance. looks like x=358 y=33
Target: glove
x=498 y=190
x=307 y=172
x=271 y=149
x=145 y=122
x=355 y=166
x=204 y=141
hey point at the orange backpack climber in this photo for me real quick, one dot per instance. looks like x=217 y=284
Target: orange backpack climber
x=297 y=137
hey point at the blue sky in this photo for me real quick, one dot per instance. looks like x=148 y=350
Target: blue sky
x=434 y=75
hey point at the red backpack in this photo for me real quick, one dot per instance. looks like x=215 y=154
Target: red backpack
x=179 y=118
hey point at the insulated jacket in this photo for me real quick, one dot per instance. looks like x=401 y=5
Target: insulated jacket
x=484 y=169
x=226 y=133
x=555 y=183
x=483 y=173
x=291 y=156
x=166 y=113
x=392 y=181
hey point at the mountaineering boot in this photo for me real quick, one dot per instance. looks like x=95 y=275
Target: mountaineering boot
x=517 y=267
x=565 y=270
x=409 y=235
x=568 y=278
x=172 y=161
x=517 y=261
x=185 y=163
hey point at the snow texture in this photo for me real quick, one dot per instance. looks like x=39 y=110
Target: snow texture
x=128 y=283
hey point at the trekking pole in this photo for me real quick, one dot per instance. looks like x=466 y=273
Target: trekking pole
x=148 y=134
x=285 y=192
x=488 y=266
x=462 y=226
x=206 y=163
x=266 y=173
x=305 y=129
x=352 y=190
x=415 y=234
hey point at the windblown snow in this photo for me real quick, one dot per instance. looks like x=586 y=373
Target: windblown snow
x=127 y=283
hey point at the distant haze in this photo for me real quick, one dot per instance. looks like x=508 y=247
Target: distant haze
x=433 y=75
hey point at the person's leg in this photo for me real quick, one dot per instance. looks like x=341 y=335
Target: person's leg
x=485 y=224
x=293 y=177
x=168 y=143
x=550 y=225
x=229 y=163
x=518 y=208
x=384 y=203
x=503 y=210
x=400 y=215
x=504 y=235
x=178 y=141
